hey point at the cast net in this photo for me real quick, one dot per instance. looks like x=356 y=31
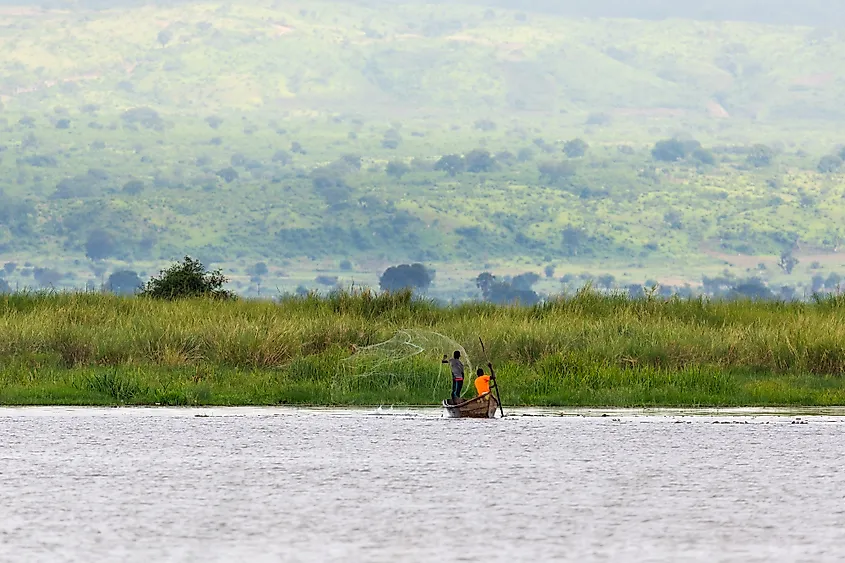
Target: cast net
x=409 y=364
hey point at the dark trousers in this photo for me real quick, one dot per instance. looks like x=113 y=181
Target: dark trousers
x=457 y=385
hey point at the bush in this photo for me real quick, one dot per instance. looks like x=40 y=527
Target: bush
x=259 y=269
x=397 y=169
x=405 y=276
x=100 y=244
x=47 y=277
x=452 y=164
x=187 y=279
x=830 y=164
x=229 y=174
x=479 y=160
x=575 y=148
x=133 y=187
x=760 y=156
x=554 y=172
x=125 y=282
x=669 y=150
x=704 y=156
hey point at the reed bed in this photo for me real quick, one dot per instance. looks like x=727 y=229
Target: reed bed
x=586 y=349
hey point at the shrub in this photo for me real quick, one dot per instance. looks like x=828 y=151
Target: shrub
x=760 y=156
x=259 y=269
x=326 y=280
x=554 y=172
x=124 y=282
x=228 y=174
x=187 y=279
x=452 y=164
x=669 y=150
x=405 y=276
x=100 y=244
x=397 y=169
x=704 y=156
x=830 y=164
x=47 y=277
x=478 y=161
x=575 y=148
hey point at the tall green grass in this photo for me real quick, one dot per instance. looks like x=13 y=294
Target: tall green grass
x=587 y=349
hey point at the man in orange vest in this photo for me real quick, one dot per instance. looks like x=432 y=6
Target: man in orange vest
x=482 y=381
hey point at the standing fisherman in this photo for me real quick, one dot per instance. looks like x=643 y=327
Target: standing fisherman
x=457 y=368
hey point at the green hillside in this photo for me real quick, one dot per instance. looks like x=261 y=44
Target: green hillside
x=250 y=132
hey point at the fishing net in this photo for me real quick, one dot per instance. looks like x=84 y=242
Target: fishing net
x=408 y=362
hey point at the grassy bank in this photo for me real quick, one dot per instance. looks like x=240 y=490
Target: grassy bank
x=584 y=350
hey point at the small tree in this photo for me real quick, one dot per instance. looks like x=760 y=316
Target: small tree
x=229 y=174
x=397 y=169
x=452 y=164
x=214 y=121
x=830 y=164
x=760 y=156
x=187 y=279
x=100 y=245
x=478 y=161
x=125 y=282
x=259 y=269
x=164 y=37
x=669 y=150
x=406 y=276
x=704 y=156
x=576 y=148
x=555 y=172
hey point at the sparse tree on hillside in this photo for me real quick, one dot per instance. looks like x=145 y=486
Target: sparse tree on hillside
x=555 y=172
x=124 y=282
x=214 y=121
x=164 y=36
x=397 y=169
x=575 y=148
x=100 y=244
x=669 y=150
x=760 y=156
x=229 y=174
x=830 y=164
x=406 y=276
x=452 y=164
x=47 y=277
x=704 y=156
x=478 y=161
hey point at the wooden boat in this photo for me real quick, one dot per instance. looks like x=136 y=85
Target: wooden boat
x=483 y=406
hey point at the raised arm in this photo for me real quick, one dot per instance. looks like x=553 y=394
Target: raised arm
x=492 y=373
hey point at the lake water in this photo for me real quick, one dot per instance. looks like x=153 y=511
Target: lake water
x=311 y=485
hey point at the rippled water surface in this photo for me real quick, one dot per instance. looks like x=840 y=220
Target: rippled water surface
x=297 y=485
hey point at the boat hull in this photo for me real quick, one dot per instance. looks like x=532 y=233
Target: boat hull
x=483 y=406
